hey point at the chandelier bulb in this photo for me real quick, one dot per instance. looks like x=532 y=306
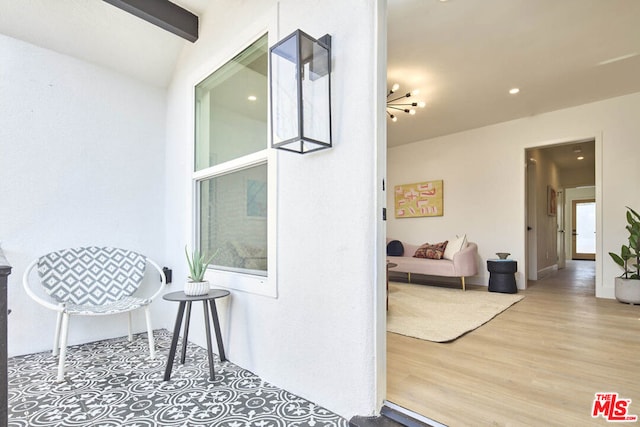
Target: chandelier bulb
x=408 y=107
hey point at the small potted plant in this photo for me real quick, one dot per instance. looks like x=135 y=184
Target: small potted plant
x=627 y=286
x=198 y=263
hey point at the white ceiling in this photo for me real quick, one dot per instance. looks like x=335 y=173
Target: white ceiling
x=565 y=156
x=98 y=32
x=463 y=55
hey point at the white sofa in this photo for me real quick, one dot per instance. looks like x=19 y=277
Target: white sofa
x=464 y=263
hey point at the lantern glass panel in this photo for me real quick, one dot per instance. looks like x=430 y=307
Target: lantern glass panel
x=284 y=91
x=315 y=91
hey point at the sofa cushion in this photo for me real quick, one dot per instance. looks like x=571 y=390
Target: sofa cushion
x=434 y=251
x=455 y=246
x=395 y=248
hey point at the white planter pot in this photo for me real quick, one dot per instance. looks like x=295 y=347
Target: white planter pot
x=628 y=290
x=193 y=289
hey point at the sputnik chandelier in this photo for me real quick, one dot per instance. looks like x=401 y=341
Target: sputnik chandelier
x=400 y=103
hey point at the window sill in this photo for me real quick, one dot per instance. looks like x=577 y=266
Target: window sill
x=257 y=285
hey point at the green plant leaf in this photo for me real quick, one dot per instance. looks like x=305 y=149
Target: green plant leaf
x=189 y=263
x=634 y=213
x=625 y=252
x=617 y=259
x=198 y=263
x=629 y=258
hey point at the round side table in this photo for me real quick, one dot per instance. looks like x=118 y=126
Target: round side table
x=502 y=275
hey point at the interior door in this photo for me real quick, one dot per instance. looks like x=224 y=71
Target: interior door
x=583 y=236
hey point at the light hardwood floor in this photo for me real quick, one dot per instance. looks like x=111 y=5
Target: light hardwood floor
x=537 y=364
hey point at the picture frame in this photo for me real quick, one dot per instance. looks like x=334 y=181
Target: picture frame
x=256 y=196
x=421 y=199
x=552 y=201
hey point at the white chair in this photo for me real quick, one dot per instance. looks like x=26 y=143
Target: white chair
x=91 y=281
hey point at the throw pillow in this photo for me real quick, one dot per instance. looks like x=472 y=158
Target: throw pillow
x=431 y=251
x=455 y=246
x=395 y=248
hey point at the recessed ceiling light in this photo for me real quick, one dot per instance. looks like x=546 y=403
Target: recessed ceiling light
x=252 y=98
x=514 y=91
x=580 y=157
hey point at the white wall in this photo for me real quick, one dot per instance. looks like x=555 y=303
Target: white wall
x=81 y=163
x=484 y=179
x=316 y=339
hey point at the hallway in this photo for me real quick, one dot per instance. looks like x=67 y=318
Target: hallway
x=538 y=363
x=577 y=279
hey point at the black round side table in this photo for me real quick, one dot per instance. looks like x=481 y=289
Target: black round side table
x=502 y=275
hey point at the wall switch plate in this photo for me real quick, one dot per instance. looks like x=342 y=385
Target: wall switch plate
x=167 y=273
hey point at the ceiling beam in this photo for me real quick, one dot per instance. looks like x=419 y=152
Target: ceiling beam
x=164 y=14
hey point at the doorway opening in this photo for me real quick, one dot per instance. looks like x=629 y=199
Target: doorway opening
x=561 y=209
x=583 y=230
x=453 y=392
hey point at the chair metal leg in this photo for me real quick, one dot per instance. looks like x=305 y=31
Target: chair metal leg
x=130 y=329
x=63 y=347
x=56 y=335
x=463 y=287
x=152 y=345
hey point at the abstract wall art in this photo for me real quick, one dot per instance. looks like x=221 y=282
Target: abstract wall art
x=419 y=199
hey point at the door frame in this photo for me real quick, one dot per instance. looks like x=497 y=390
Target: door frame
x=528 y=244
x=562 y=225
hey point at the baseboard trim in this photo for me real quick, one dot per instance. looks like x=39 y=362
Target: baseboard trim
x=547 y=271
x=407 y=417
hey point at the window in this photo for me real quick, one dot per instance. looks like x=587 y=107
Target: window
x=231 y=167
x=231 y=109
x=233 y=218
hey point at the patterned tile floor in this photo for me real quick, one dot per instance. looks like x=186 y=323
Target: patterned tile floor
x=112 y=383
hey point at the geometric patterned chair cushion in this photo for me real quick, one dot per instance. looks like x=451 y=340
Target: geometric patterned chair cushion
x=124 y=304
x=91 y=276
